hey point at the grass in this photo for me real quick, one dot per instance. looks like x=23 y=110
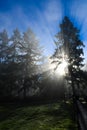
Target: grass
x=55 y=116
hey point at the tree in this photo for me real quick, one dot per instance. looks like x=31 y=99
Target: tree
x=3 y=46
x=69 y=47
x=33 y=52
x=20 y=57
x=14 y=68
x=31 y=55
x=4 y=40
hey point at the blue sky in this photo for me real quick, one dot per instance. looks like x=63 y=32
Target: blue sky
x=43 y=17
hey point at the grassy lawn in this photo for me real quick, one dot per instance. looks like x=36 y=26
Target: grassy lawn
x=55 y=116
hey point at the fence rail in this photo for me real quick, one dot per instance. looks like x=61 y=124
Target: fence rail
x=81 y=116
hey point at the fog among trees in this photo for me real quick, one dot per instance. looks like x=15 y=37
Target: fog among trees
x=23 y=72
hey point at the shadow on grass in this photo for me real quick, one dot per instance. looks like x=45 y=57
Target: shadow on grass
x=63 y=116
x=55 y=116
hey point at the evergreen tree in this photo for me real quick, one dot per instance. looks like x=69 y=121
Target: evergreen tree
x=20 y=56
x=32 y=52
x=4 y=40
x=70 y=48
x=14 y=48
x=14 y=61
x=32 y=58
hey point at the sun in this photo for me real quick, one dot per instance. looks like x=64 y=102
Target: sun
x=62 y=68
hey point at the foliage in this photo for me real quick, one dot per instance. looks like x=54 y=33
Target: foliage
x=70 y=48
x=20 y=59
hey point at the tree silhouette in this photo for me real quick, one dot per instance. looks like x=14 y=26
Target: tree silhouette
x=70 y=48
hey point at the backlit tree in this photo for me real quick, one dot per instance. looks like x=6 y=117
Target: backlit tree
x=69 y=47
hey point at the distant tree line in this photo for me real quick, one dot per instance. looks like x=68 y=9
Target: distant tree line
x=20 y=59
x=20 y=68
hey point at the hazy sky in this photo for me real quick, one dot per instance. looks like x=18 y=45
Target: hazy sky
x=43 y=17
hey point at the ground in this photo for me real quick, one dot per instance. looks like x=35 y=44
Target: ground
x=55 y=116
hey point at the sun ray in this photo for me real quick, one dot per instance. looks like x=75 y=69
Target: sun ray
x=62 y=68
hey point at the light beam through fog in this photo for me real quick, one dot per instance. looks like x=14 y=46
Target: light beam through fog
x=44 y=17
x=62 y=68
